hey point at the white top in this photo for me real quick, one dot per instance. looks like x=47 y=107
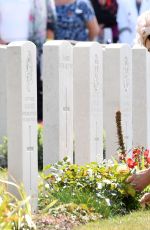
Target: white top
x=127 y=19
x=14 y=20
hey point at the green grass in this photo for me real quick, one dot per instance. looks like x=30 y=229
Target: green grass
x=135 y=221
x=81 y=197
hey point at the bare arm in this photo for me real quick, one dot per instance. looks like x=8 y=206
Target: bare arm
x=93 y=28
x=51 y=19
x=50 y=34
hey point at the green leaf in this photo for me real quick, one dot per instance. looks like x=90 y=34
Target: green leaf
x=131 y=191
x=50 y=205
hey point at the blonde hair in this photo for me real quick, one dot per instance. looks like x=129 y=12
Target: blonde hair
x=143 y=28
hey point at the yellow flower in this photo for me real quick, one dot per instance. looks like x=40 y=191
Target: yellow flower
x=123 y=169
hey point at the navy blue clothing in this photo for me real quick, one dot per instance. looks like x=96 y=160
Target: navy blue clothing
x=72 y=19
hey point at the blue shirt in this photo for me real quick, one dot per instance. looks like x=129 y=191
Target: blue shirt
x=72 y=19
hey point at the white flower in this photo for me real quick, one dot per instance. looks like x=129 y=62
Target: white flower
x=47 y=185
x=99 y=185
x=58 y=179
x=90 y=172
x=110 y=162
x=99 y=176
x=108 y=202
x=1 y=200
x=106 y=181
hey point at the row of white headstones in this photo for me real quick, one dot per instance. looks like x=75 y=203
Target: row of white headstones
x=83 y=87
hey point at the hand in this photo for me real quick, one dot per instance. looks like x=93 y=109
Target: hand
x=140 y=180
x=102 y=2
x=145 y=199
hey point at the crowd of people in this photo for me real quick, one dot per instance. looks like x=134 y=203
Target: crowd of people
x=105 y=21
x=80 y=20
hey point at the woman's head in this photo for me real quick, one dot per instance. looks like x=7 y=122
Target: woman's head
x=143 y=29
x=147 y=43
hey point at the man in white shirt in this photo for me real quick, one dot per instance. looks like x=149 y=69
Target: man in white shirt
x=33 y=20
x=14 y=20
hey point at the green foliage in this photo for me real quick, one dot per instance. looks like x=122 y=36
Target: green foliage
x=4 y=149
x=40 y=146
x=3 y=152
x=15 y=213
x=101 y=187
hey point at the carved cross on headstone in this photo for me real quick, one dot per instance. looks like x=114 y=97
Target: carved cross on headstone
x=126 y=74
x=66 y=109
x=30 y=149
x=96 y=138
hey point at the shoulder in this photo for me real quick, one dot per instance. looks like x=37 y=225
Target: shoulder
x=83 y=4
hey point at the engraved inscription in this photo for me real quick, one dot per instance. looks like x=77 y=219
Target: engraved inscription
x=96 y=73
x=29 y=109
x=126 y=74
x=65 y=66
x=29 y=67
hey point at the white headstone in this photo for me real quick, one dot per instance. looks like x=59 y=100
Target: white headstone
x=141 y=97
x=3 y=117
x=117 y=95
x=22 y=116
x=58 y=101
x=88 y=109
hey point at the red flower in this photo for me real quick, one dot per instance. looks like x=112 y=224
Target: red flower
x=146 y=153
x=131 y=164
x=148 y=159
x=136 y=152
x=147 y=156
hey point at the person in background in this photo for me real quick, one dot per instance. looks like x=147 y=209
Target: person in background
x=22 y=20
x=143 y=30
x=33 y=20
x=128 y=12
x=42 y=26
x=75 y=20
x=106 y=14
x=142 y=179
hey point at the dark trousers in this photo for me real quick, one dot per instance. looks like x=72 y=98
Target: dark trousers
x=39 y=94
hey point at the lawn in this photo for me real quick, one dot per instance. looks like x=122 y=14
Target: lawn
x=135 y=221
